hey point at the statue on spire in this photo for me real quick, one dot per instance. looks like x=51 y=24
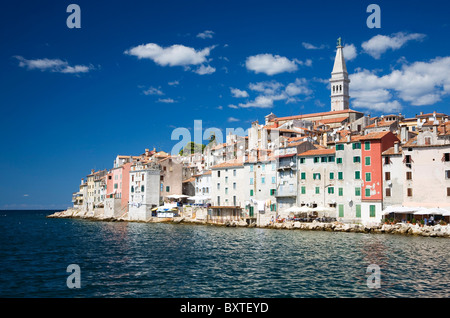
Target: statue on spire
x=339 y=41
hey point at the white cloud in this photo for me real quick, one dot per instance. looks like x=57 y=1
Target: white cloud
x=233 y=106
x=153 y=91
x=166 y=100
x=310 y=46
x=271 y=91
x=349 y=52
x=419 y=84
x=232 y=119
x=174 y=83
x=175 y=55
x=206 y=34
x=238 y=93
x=52 y=65
x=270 y=64
x=379 y=44
x=204 y=70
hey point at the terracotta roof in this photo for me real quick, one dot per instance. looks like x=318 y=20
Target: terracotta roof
x=332 y=120
x=191 y=179
x=317 y=152
x=345 y=111
x=230 y=163
x=382 y=123
x=375 y=135
x=391 y=151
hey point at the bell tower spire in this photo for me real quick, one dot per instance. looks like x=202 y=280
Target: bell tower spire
x=339 y=81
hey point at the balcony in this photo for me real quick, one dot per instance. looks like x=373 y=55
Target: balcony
x=288 y=190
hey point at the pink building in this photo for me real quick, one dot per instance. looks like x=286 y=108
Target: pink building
x=118 y=182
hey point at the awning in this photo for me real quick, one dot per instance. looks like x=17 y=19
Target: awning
x=433 y=211
x=400 y=209
x=177 y=196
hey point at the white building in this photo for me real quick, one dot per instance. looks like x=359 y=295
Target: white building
x=144 y=190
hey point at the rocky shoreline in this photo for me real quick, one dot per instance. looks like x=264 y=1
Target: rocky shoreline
x=398 y=228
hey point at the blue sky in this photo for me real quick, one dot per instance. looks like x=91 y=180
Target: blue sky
x=72 y=99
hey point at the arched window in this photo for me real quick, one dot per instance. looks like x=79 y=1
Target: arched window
x=132 y=189
x=142 y=188
x=340 y=88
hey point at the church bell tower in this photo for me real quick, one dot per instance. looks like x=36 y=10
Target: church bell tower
x=339 y=81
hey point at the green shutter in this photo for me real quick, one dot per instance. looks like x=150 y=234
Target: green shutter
x=340 y=175
x=330 y=190
x=357 y=175
x=341 y=210
x=331 y=175
x=358 y=210
x=338 y=160
x=303 y=175
x=341 y=192
x=367 y=159
x=367 y=192
x=303 y=189
x=317 y=190
x=368 y=176
x=372 y=211
x=367 y=145
x=251 y=193
x=358 y=191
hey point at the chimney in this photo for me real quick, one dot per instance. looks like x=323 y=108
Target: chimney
x=404 y=135
x=349 y=138
x=396 y=147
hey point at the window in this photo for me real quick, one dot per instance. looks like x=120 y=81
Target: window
x=446 y=157
x=302 y=160
x=331 y=175
x=409 y=192
x=218 y=186
x=234 y=173
x=273 y=207
x=387 y=176
x=274 y=166
x=427 y=140
x=357 y=175
x=330 y=158
x=263 y=167
x=358 y=210
x=358 y=191
x=388 y=192
x=132 y=178
x=338 y=160
x=447 y=174
x=115 y=185
x=368 y=176
x=251 y=180
x=341 y=210
x=218 y=174
x=317 y=190
x=132 y=189
x=356 y=159
x=251 y=192
x=367 y=145
x=367 y=161
x=356 y=145
x=142 y=188
x=234 y=185
x=340 y=147
x=323 y=159
x=274 y=180
x=408 y=175
x=272 y=191
x=387 y=160
x=330 y=190
x=263 y=180
x=367 y=192
x=448 y=192
x=167 y=189
x=341 y=192
x=316 y=159
x=340 y=175
x=143 y=177
x=218 y=200
x=316 y=176
x=226 y=190
x=251 y=168
x=303 y=190
x=226 y=179
x=372 y=210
